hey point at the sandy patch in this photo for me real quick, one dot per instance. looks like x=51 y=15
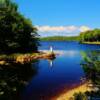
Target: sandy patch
x=67 y=95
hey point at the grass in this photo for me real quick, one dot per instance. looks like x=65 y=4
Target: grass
x=98 y=43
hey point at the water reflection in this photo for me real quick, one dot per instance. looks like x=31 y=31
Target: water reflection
x=13 y=79
x=69 y=53
x=50 y=63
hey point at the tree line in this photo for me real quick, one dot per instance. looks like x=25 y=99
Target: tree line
x=87 y=36
x=60 y=38
x=17 y=34
x=90 y=36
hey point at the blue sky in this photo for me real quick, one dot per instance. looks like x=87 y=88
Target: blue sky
x=61 y=17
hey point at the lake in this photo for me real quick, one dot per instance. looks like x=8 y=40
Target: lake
x=44 y=79
x=58 y=75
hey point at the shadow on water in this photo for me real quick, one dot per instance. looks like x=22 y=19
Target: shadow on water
x=14 y=78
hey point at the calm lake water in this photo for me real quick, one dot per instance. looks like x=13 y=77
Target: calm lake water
x=44 y=79
x=63 y=73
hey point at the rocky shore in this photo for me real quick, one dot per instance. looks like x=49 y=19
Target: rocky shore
x=25 y=58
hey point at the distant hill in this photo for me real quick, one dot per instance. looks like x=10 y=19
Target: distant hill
x=60 y=38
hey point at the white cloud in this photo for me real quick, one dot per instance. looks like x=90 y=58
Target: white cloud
x=84 y=28
x=61 y=30
x=56 y=28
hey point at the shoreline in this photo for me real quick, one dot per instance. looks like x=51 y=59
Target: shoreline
x=92 y=43
x=26 y=58
x=66 y=95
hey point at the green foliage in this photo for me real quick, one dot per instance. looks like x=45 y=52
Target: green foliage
x=16 y=31
x=91 y=67
x=80 y=96
x=14 y=78
x=60 y=38
x=90 y=36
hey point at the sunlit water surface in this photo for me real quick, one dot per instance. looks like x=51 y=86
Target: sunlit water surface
x=62 y=73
